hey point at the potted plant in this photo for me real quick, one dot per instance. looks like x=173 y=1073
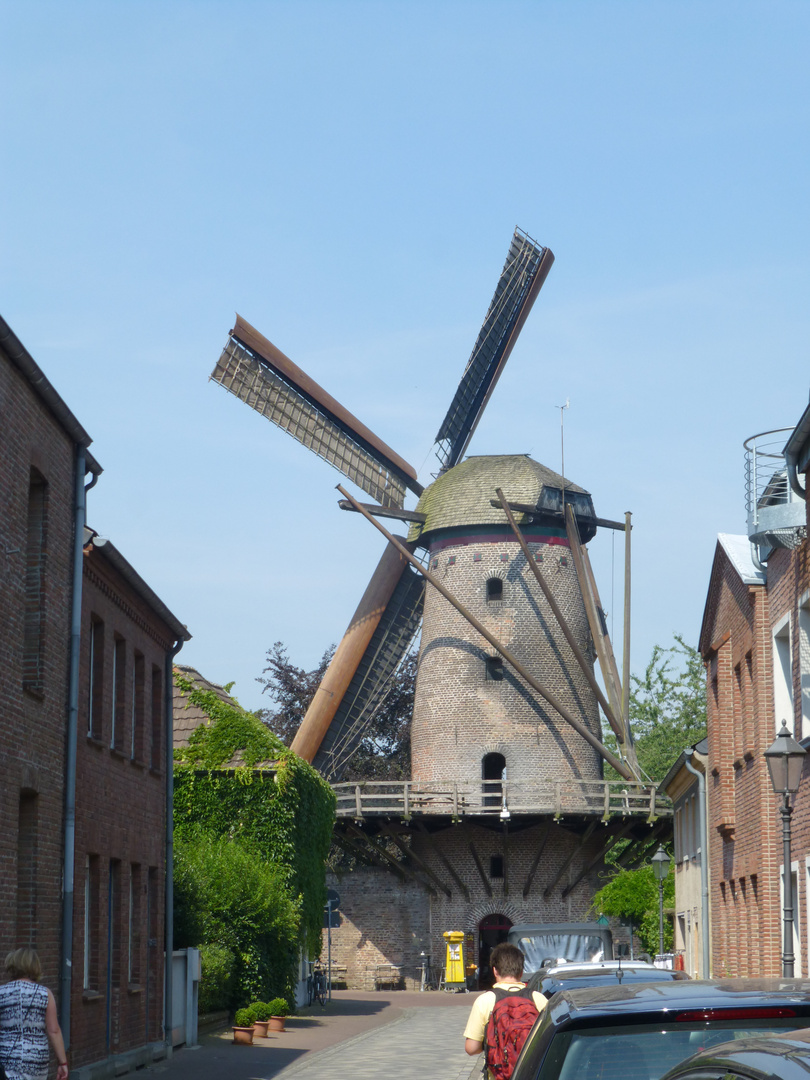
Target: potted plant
x=279 y=1011
x=260 y=1011
x=243 y=1027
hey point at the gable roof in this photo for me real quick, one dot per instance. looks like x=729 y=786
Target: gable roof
x=733 y=551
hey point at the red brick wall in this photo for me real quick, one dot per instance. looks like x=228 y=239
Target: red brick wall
x=120 y=824
x=744 y=824
x=33 y=721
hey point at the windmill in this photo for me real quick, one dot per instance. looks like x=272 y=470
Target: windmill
x=526 y=504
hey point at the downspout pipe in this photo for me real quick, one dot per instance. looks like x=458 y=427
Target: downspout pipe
x=168 y=686
x=69 y=840
x=704 y=861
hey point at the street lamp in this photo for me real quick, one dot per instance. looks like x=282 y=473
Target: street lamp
x=785 y=758
x=660 y=865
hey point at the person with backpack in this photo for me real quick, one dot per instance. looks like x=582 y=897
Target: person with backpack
x=501 y=1018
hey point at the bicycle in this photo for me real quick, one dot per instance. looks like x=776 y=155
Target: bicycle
x=316 y=987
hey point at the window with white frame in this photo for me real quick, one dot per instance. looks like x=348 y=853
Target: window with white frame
x=782 y=675
x=797 y=937
x=804 y=662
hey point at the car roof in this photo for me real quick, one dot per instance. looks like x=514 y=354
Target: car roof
x=582 y=1006
x=752 y=1053
x=600 y=965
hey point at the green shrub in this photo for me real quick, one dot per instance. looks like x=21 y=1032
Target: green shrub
x=242 y=1018
x=279 y=1007
x=260 y=1011
x=218 y=965
x=242 y=906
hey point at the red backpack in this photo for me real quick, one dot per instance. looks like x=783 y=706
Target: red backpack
x=512 y=1018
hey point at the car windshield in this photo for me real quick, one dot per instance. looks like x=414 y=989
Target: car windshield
x=641 y=1051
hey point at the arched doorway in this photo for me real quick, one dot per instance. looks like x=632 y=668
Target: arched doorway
x=492 y=930
x=492 y=767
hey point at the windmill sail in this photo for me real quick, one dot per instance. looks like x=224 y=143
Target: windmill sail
x=259 y=374
x=524 y=272
x=373 y=678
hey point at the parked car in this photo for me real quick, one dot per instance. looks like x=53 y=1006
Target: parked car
x=551 y=980
x=761 y=1058
x=545 y=943
x=639 y=1031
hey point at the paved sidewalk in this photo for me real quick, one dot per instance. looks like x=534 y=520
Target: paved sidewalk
x=358 y=1036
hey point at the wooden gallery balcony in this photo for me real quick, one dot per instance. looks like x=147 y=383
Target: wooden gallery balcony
x=496 y=799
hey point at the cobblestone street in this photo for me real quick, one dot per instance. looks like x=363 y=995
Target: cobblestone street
x=358 y=1036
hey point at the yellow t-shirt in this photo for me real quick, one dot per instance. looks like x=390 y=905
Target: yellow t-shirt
x=484 y=1004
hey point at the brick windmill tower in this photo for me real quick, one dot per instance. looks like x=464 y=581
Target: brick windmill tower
x=507 y=817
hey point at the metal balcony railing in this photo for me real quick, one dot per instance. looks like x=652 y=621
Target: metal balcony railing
x=776 y=515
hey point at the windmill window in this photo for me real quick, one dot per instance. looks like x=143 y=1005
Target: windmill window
x=538 y=556
x=494 y=669
x=492 y=770
x=494 y=589
x=451 y=560
x=477 y=557
x=563 y=560
x=435 y=564
x=504 y=557
x=496 y=866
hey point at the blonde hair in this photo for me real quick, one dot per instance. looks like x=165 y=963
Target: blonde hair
x=24 y=964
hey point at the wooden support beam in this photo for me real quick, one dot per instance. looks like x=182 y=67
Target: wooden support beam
x=567 y=862
x=610 y=842
x=581 y=659
x=635 y=852
x=535 y=511
x=480 y=869
x=443 y=859
x=419 y=862
x=536 y=861
x=361 y=850
x=386 y=511
x=598 y=632
x=380 y=851
x=646 y=850
x=512 y=660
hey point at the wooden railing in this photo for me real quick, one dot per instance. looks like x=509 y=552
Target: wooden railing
x=495 y=798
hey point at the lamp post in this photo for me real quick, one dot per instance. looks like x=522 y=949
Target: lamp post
x=660 y=865
x=785 y=758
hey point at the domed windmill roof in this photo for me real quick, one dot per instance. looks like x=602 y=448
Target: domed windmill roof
x=462 y=497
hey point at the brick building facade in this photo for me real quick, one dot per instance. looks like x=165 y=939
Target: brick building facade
x=42 y=447
x=755 y=641
x=129 y=639
x=82 y=640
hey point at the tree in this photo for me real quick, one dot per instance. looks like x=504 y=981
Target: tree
x=291 y=688
x=667 y=708
x=384 y=752
x=632 y=896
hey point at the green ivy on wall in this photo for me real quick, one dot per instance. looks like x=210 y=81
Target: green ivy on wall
x=237 y=781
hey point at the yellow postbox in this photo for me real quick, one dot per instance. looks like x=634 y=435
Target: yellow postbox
x=454 y=976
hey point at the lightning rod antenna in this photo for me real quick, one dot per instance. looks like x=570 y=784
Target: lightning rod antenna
x=562 y=409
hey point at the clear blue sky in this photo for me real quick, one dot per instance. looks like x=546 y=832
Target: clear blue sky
x=347 y=176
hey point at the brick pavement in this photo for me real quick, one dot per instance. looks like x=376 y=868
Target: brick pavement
x=357 y=1036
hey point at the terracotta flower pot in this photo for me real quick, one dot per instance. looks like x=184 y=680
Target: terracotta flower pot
x=276 y=1023
x=260 y=1028
x=243 y=1035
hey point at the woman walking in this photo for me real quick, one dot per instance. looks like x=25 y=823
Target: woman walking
x=28 y=1021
